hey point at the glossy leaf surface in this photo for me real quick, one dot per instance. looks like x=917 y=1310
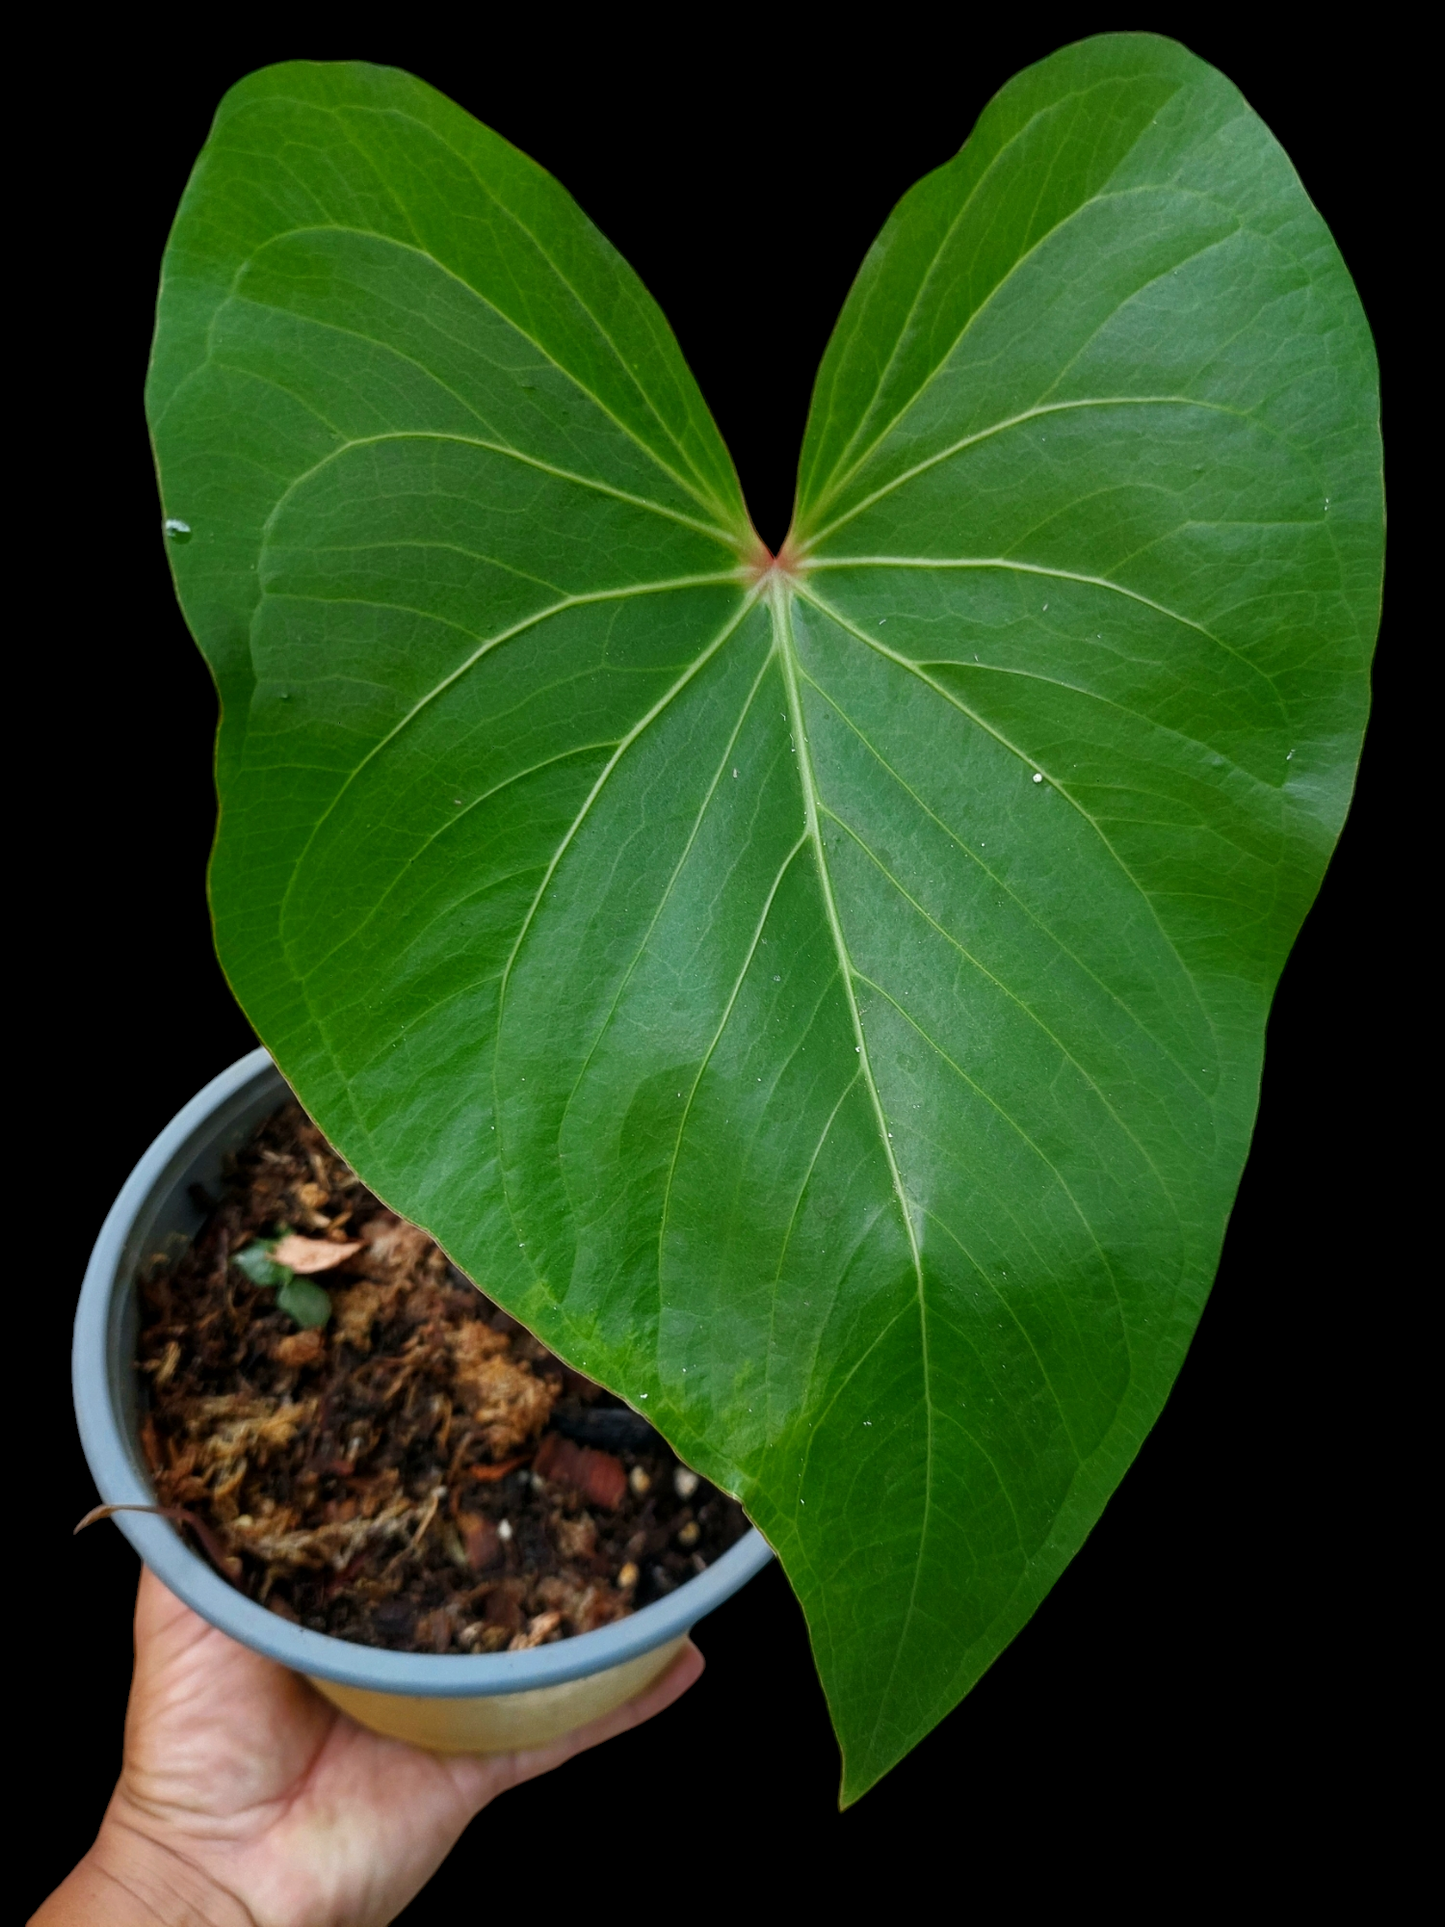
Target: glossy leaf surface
x=826 y=1002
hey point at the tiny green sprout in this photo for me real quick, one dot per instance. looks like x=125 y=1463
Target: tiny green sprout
x=305 y=1301
x=309 y=1304
x=256 y=1262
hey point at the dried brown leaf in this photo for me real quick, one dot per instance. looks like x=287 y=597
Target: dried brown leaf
x=310 y=1255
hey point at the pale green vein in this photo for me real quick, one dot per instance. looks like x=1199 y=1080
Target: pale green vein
x=445 y=828
x=786 y=1245
x=838 y=482
x=706 y=1059
x=808 y=785
x=1272 y=791
x=1019 y=420
x=929 y=682
x=1014 y=1125
x=643 y=723
x=484 y=649
x=1003 y=885
x=998 y=983
x=328 y=325
x=1057 y=575
x=1005 y=1305
x=924 y=279
x=807 y=782
x=666 y=895
x=492 y=448
x=697 y=487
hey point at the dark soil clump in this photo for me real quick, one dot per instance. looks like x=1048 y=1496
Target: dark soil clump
x=420 y=1473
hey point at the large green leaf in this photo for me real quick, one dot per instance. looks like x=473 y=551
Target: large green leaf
x=825 y=1002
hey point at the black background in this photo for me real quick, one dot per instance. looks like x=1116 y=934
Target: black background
x=1185 y=1704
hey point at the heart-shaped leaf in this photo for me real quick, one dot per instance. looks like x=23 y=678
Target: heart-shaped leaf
x=825 y=1001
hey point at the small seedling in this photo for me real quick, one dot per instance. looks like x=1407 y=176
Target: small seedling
x=307 y=1303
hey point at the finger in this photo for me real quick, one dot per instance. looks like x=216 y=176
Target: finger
x=190 y=1674
x=160 y=1615
x=684 y=1671
x=168 y=1633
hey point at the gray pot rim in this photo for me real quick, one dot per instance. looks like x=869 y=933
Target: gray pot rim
x=115 y=1466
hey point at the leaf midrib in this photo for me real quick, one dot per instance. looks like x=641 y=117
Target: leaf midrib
x=782 y=614
x=1014 y=998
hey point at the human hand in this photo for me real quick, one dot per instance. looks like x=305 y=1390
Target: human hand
x=246 y=1800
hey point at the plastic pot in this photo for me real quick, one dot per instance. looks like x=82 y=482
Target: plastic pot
x=465 y=1703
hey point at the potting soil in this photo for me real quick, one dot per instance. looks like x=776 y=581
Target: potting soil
x=419 y=1472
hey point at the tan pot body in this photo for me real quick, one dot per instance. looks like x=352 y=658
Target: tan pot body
x=501 y=1722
